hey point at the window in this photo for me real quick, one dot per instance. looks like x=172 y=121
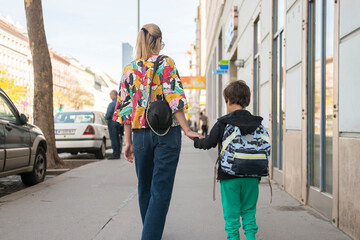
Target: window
x=5 y=111
x=74 y=117
x=256 y=80
x=320 y=93
x=102 y=119
x=278 y=82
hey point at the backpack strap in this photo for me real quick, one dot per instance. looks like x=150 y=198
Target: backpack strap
x=270 y=189
x=215 y=169
x=229 y=139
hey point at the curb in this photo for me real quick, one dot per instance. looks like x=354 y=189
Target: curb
x=57 y=171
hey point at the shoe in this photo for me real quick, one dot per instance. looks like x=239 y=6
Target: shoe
x=113 y=158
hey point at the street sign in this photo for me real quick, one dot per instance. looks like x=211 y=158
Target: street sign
x=193 y=82
x=224 y=66
x=220 y=71
x=224 y=62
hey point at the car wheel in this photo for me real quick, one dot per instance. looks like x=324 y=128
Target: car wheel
x=101 y=153
x=38 y=173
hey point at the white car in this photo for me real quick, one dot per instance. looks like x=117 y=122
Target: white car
x=82 y=131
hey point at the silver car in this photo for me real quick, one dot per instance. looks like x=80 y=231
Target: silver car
x=22 y=145
x=82 y=131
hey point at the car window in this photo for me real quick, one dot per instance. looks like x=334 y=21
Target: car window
x=74 y=117
x=5 y=111
x=102 y=119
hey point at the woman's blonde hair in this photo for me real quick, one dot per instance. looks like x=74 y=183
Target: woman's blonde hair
x=147 y=43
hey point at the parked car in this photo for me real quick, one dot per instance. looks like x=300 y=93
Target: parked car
x=82 y=131
x=22 y=145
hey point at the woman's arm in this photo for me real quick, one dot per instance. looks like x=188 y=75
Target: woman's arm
x=128 y=152
x=180 y=116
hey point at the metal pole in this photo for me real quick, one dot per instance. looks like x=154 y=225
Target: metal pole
x=138 y=16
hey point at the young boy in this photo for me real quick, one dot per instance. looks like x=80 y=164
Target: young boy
x=239 y=195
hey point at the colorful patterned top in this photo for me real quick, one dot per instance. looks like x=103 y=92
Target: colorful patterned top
x=134 y=90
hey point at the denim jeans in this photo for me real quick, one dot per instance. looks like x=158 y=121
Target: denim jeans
x=115 y=137
x=156 y=159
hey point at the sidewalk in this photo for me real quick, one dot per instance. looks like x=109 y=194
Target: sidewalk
x=99 y=201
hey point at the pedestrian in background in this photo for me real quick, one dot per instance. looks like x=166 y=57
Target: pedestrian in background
x=156 y=156
x=115 y=128
x=246 y=143
x=190 y=124
x=204 y=123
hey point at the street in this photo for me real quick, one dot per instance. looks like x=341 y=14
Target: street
x=99 y=201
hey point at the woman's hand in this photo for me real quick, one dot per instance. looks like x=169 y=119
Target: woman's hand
x=180 y=116
x=129 y=153
x=190 y=134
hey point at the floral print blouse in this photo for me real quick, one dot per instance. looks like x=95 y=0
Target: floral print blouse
x=134 y=90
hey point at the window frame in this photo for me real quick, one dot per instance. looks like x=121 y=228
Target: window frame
x=256 y=67
x=277 y=45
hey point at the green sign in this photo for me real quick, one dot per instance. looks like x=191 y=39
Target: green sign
x=224 y=62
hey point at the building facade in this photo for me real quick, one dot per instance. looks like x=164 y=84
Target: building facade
x=74 y=86
x=299 y=58
x=61 y=80
x=127 y=54
x=15 y=58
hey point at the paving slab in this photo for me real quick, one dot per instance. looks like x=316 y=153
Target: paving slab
x=99 y=201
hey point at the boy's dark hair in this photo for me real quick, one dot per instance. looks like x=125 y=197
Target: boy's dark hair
x=237 y=93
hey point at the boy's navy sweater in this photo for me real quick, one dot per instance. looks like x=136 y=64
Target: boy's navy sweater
x=243 y=119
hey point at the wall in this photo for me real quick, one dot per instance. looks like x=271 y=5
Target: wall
x=349 y=84
x=349 y=186
x=292 y=151
x=349 y=118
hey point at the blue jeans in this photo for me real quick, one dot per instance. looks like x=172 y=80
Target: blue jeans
x=156 y=159
x=115 y=137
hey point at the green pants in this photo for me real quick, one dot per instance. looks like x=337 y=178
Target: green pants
x=239 y=197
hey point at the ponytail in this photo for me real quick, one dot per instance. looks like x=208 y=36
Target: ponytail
x=147 y=42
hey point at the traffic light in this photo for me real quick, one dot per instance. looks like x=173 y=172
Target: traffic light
x=61 y=107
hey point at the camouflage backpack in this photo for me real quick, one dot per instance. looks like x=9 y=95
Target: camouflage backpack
x=245 y=155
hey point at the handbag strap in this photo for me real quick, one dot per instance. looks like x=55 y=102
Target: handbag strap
x=156 y=66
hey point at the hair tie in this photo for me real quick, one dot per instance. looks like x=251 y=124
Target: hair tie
x=145 y=31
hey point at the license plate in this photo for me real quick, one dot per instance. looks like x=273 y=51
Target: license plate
x=64 y=131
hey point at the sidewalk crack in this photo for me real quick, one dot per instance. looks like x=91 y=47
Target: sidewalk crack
x=117 y=212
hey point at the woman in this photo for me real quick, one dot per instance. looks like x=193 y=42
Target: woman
x=156 y=157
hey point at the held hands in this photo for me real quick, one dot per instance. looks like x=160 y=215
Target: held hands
x=190 y=134
x=129 y=153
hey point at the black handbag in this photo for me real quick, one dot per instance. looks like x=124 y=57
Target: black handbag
x=158 y=114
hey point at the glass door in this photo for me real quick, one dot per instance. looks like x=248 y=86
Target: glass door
x=320 y=94
x=278 y=83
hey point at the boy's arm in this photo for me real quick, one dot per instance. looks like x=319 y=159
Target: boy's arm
x=212 y=139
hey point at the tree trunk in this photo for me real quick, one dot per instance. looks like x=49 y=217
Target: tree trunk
x=43 y=84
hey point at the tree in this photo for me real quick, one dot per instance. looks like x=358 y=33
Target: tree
x=15 y=92
x=43 y=83
x=80 y=97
